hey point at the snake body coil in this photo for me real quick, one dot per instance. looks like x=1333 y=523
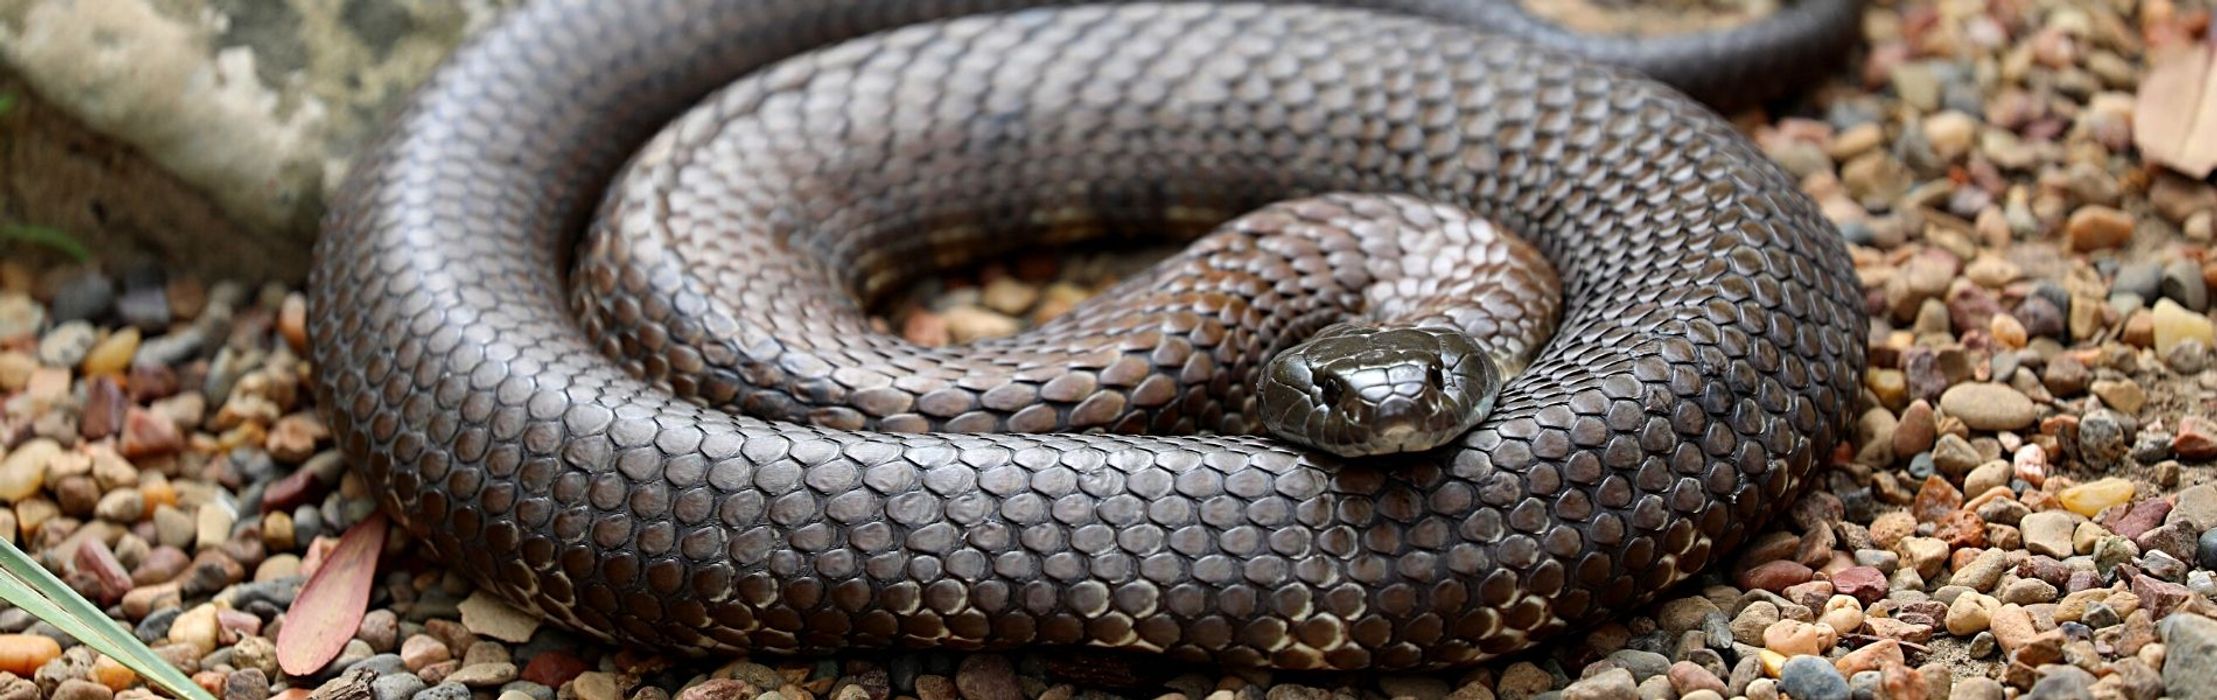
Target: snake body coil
x=1707 y=353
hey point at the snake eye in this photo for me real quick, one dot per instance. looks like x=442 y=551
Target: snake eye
x=1333 y=388
x=1435 y=377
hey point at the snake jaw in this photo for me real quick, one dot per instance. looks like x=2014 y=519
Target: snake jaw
x=1357 y=391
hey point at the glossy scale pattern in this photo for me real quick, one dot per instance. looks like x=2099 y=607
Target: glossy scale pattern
x=1706 y=359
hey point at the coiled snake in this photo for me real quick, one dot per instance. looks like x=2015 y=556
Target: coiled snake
x=552 y=423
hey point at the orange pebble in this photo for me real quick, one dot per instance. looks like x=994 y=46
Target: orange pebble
x=22 y=654
x=115 y=675
x=157 y=494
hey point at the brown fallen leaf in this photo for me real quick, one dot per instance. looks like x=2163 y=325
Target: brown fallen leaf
x=2174 y=117
x=331 y=605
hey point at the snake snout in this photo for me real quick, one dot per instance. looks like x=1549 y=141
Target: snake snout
x=1356 y=391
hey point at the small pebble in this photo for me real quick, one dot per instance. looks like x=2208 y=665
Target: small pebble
x=2175 y=324
x=1812 y=678
x=2095 y=227
x=396 y=686
x=1988 y=406
x=2092 y=498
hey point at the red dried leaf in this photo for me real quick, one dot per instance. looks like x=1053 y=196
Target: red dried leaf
x=330 y=606
x=2174 y=117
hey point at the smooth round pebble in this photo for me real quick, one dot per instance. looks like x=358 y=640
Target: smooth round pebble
x=444 y=691
x=1812 y=678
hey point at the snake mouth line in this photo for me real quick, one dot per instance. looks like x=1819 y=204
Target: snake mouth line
x=546 y=439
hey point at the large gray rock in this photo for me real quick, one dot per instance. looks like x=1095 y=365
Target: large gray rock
x=2190 y=642
x=255 y=105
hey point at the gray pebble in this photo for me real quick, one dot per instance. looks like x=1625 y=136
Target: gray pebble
x=1865 y=685
x=2124 y=303
x=171 y=349
x=328 y=466
x=222 y=656
x=354 y=652
x=1642 y=664
x=13 y=620
x=2188 y=357
x=2142 y=278
x=383 y=664
x=66 y=344
x=2182 y=283
x=279 y=592
x=254 y=465
x=2151 y=446
x=55 y=633
x=1968 y=202
x=356 y=510
x=230 y=365
x=1921 y=466
x=2192 y=641
x=2162 y=565
x=82 y=297
x=2054 y=293
x=1885 y=561
x=307 y=523
x=398 y=686
x=1983 y=645
x=1812 y=678
x=434 y=604
x=250 y=501
x=1746 y=671
x=155 y=627
x=1718 y=627
x=2061 y=682
x=1848 y=113
x=2206 y=549
x=444 y=691
x=1915 y=149
x=145 y=307
x=2099 y=615
x=1858 y=233
x=1962 y=96
x=2105 y=436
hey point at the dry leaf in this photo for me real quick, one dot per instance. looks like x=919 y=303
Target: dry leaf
x=330 y=606
x=493 y=617
x=2174 y=119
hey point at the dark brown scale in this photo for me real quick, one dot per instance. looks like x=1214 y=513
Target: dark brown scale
x=1707 y=356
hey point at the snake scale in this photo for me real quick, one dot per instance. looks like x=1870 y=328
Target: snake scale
x=549 y=416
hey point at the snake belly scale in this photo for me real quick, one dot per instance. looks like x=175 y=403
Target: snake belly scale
x=1708 y=349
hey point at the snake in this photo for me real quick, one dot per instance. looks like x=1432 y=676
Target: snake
x=590 y=318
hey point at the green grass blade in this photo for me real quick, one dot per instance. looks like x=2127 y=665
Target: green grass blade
x=7 y=102
x=31 y=587
x=49 y=237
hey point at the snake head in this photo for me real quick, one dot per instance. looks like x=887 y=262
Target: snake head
x=1356 y=391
